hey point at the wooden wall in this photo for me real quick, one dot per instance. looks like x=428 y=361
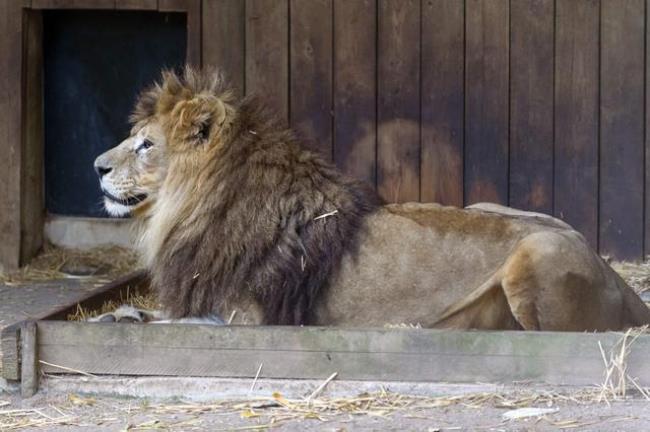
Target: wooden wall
x=537 y=104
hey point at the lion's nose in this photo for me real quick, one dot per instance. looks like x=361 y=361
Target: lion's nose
x=102 y=170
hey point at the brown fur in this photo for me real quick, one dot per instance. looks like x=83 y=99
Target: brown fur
x=259 y=194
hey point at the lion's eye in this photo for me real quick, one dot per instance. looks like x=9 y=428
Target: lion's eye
x=145 y=145
x=204 y=132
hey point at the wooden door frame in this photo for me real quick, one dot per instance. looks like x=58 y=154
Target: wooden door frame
x=22 y=208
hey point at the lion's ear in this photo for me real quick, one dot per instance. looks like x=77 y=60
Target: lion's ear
x=194 y=120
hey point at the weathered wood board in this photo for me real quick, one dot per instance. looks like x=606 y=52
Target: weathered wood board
x=317 y=352
x=56 y=302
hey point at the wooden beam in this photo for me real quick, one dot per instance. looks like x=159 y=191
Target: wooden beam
x=136 y=4
x=11 y=60
x=73 y=4
x=317 y=352
x=172 y=5
x=32 y=193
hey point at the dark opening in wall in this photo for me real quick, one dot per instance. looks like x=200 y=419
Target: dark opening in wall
x=95 y=63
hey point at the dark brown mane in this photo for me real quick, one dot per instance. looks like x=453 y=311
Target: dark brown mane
x=281 y=219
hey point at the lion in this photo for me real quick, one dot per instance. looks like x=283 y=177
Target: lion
x=237 y=215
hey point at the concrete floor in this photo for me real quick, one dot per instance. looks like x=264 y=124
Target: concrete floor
x=421 y=407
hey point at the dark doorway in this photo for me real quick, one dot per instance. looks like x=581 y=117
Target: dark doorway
x=95 y=64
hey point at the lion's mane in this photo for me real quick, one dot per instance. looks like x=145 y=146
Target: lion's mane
x=266 y=216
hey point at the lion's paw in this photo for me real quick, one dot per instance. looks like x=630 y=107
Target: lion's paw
x=128 y=314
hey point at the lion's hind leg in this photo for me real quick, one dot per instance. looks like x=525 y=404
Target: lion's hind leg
x=553 y=281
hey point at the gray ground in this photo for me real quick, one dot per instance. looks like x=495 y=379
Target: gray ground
x=388 y=412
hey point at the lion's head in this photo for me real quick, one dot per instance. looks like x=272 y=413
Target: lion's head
x=130 y=174
x=190 y=110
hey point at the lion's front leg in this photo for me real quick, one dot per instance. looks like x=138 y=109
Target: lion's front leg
x=130 y=314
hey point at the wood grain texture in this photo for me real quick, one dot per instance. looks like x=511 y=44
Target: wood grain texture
x=73 y=4
x=316 y=352
x=173 y=5
x=224 y=33
x=267 y=53
x=32 y=200
x=10 y=352
x=11 y=59
x=486 y=98
x=646 y=249
x=311 y=72
x=29 y=372
x=443 y=107
x=531 y=105
x=136 y=4
x=355 y=86
x=194 y=36
x=398 y=110
x=576 y=115
x=622 y=83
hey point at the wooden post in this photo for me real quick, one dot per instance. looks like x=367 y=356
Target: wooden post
x=11 y=60
x=29 y=360
x=9 y=352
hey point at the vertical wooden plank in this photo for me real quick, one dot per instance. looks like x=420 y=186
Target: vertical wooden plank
x=28 y=360
x=194 y=32
x=10 y=350
x=621 y=128
x=576 y=115
x=192 y=8
x=647 y=137
x=443 y=106
x=486 y=96
x=398 y=111
x=32 y=201
x=355 y=86
x=311 y=72
x=224 y=39
x=11 y=23
x=267 y=51
x=531 y=105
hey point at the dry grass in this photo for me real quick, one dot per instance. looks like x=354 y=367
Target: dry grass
x=276 y=410
x=108 y=263
x=141 y=300
x=269 y=412
x=637 y=275
x=617 y=380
